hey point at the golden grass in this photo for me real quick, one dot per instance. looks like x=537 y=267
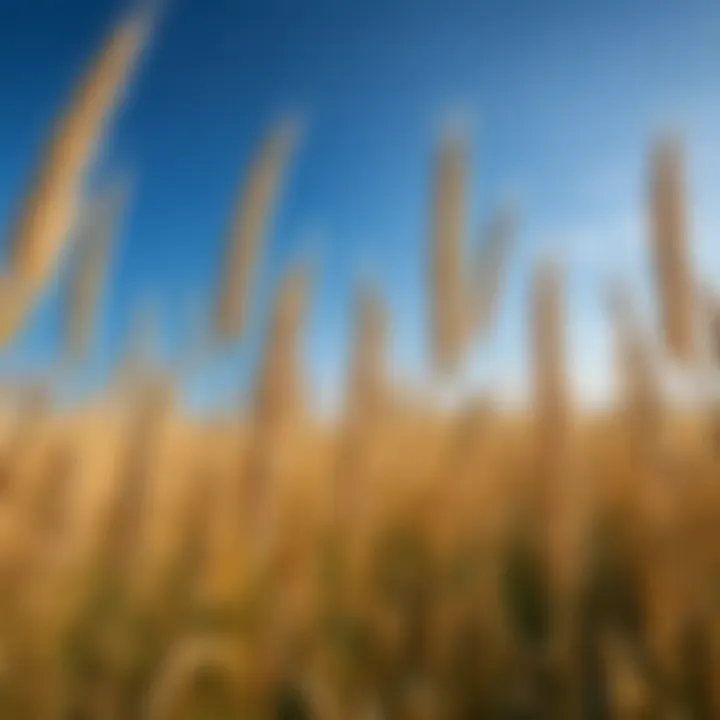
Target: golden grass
x=367 y=403
x=50 y=209
x=400 y=561
x=278 y=409
x=676 y=292
x=447 y=255
x=249 y=227
x=550 y=373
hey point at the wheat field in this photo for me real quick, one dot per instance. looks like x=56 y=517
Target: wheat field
x=402 y=561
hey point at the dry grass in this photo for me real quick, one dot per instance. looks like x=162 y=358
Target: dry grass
x=401 y=561
x=676 y=292
x=50 y=209
x=447 y=255
x=249 y=226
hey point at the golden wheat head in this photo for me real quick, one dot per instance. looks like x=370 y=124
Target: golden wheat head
x=448 y=236
x=670 y=245
x=50 y=209
x=248 y=229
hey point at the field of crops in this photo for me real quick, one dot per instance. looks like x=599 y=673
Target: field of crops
x=402 y=561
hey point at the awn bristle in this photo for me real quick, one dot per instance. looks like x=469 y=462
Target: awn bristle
x=672 y=264
x=447 y=286
x=50 y=209
x=89 y=274
x=249 y=227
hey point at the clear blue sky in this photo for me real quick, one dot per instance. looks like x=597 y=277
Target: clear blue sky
x=562 y=99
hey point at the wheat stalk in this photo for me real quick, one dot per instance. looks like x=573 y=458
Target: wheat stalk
x=448 y=237
x=368 y=371
x=366 y=406
x=141 y=453
x=550 y=372
x=672 y=265
x=550 y=391
x=50 y=209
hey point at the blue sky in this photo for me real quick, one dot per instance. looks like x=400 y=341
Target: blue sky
x=561 y=100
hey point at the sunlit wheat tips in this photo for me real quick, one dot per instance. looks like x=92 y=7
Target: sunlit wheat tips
x=484 y=284
x=92 y=255
x=446 y=261
x=249 y=228
x=671 y=251
x=50 y=208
